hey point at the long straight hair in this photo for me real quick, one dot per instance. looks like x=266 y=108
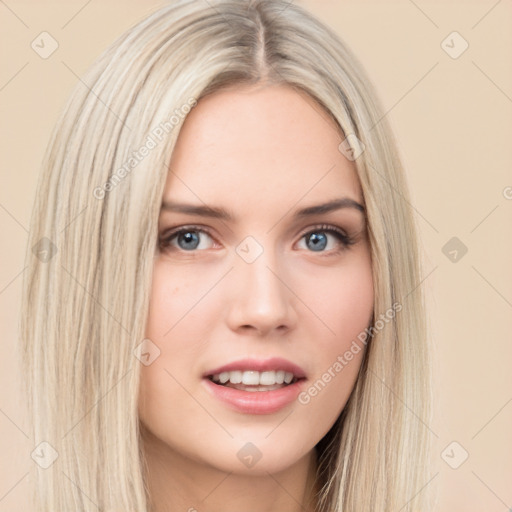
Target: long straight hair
x=92 y=244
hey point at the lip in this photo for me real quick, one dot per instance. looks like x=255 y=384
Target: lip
x=255 y=402
x=259 y=365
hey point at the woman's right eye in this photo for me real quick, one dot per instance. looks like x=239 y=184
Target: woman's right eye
x=186 y=239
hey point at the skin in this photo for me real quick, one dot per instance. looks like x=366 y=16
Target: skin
x=262 y=152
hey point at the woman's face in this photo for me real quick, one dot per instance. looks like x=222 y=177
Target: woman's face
x=268 y=289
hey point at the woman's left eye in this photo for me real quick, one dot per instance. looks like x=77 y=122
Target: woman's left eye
x=316 y=239
x=188 y=236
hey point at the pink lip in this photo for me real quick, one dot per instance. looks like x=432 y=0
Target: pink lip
x=275 y=364
x=255 y=402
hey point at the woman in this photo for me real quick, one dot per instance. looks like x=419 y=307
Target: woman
x=223 y=309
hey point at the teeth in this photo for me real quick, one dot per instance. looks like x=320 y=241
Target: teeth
x=254 y=378
x=234 y=377
x=267 y=378
x=251 y=378
x=224 y=377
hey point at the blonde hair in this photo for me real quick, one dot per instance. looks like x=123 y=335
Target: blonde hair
x=93 y=237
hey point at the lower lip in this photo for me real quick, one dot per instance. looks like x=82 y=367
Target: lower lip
x=255 y=402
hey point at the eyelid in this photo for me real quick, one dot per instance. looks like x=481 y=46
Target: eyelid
x=322 y=227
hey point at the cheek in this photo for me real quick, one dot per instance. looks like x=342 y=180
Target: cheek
x=175 y=293
x=159 y=380
x=344 y=301
x=162 y=307
x=173 y=320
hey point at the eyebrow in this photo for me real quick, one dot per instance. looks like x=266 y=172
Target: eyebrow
x=223 y=214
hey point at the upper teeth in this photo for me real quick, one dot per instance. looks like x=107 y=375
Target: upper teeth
x=251 y=377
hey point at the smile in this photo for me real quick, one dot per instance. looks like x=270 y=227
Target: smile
x=256 y=386
x=251 y=380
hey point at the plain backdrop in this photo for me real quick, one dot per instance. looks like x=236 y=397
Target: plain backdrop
x=451 y=111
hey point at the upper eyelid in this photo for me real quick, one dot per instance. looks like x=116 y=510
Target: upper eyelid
x=166 y=233
x=209 y=231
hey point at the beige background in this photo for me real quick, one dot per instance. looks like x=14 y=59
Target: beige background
x=453 y=120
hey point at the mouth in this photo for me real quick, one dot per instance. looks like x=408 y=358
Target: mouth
x=253 y=380
x=256 y=386
x=256 y=374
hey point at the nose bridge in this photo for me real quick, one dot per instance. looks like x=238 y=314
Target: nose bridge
x=263 y=300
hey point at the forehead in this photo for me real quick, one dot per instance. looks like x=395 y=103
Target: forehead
x=249 y=145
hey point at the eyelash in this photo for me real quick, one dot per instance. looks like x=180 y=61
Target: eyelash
x=345 y=240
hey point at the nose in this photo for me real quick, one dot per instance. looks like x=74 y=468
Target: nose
x=263 y=300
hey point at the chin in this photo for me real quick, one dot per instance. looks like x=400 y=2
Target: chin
x=256 y=458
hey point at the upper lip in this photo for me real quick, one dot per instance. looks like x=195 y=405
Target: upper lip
x=259 y=365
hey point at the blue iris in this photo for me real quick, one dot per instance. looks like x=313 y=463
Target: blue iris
x=319 y=241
